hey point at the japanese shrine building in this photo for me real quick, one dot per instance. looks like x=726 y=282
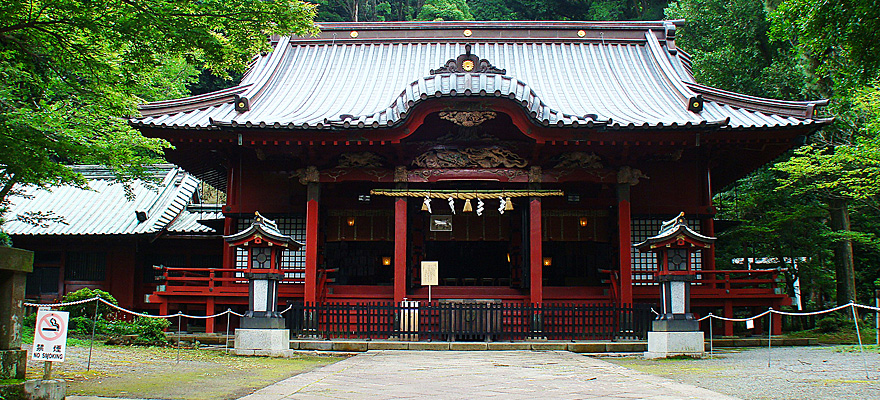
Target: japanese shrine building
x=594 y=131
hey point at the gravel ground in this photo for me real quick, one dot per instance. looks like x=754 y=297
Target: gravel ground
x=156 y=373
x=794 y=372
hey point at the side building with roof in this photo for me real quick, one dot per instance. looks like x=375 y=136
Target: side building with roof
x=110 y=235
x=526 y=158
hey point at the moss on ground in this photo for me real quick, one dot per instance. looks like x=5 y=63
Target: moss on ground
x=154 y=372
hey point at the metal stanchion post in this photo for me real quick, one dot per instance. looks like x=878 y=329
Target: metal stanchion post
x=861 y=348
x=92 y=339
x=769 y=334
x=179 y=318
x=226 y=339
x=711 y=347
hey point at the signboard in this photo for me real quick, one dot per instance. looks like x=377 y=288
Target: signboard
x=430 y=273
x=441 y=223
x=50 y=336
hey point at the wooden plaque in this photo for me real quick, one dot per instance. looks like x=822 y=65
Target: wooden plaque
x=430 y=273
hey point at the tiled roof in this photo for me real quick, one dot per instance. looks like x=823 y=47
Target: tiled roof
x=105 y=209
x=370 y=75
x=190 y=219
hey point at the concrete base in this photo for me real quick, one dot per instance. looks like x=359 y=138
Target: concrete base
x=12 y=364
x=262 y=339
x=265 y=353
x=675 y=325
x=669 y=344
x=262 y=323
x=38 y=389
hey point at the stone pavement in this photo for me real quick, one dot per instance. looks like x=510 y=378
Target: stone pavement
x=393 y=374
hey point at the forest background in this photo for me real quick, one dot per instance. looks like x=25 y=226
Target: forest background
x=71 y=68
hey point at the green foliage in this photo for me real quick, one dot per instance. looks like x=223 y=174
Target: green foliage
x=840 y=38
x=109 y=321
x=148 y=330
x=72 y=69
x=832 y=324
x=87 y=310
x=777 y=223
x=445 y=10
x=730 y=48
x=491 y=10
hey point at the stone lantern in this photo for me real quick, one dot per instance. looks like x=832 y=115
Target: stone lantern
x=262 y=327
x=675 y=331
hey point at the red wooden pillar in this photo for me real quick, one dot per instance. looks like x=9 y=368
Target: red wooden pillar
x=209 y=310
x=399 y=249
x=311 y=286
x=776 y=320
x=709 y=254
x=728 y=313
x=625 y=241
x=536 y=255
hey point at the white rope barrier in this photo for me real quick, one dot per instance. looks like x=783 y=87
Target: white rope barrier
x=813 y=312
x=710 y=315
x=125 y=310
x=69 y=303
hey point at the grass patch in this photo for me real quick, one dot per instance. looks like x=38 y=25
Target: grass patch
x=11 y=381
x=844 y=335
x=155 y=373
x=870 y=348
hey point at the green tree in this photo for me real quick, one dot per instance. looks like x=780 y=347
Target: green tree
x=731 y=48
x=840 y=42
x=777 y=223
x=445 y=10
x=72 y=70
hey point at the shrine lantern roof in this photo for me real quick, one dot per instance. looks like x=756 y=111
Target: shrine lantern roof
x=608 y=75
x=675 y=232
x=262 y=230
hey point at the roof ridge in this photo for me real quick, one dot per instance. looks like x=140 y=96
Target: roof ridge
x=668 y=70
x=190 y=103
x=800 y=109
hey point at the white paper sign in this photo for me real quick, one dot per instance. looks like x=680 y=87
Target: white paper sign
x=50 y=336
x=430 y=273
x=750 y=324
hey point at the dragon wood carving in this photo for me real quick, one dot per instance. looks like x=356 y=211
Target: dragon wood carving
x=467 y=118
x=488 y=157
x=360 y=160
x=579 y=159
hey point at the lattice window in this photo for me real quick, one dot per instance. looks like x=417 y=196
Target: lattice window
x=644 y=264
x=86 y=266
x=293 y=261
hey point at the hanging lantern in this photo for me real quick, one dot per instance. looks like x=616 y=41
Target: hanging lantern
x=508 y=206
x=467 y=206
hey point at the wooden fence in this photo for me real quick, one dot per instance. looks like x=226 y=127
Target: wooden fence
x=451 y=321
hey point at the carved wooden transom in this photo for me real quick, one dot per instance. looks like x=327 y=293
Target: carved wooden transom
x=468 y=63
x=467 y=118
x=486 y=157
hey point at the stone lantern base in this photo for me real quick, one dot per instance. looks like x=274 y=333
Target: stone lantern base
x=670 y=344
x=263 y=342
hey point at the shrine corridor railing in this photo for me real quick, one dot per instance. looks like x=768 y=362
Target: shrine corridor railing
x=451 y=321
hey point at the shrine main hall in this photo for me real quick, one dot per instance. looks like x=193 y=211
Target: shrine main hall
x=524 y=158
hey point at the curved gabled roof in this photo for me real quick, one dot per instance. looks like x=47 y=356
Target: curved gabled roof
x=108 y=207
x=369 y=75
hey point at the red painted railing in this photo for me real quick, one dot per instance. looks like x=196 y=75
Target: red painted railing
x=198 y=280
x=732 y=281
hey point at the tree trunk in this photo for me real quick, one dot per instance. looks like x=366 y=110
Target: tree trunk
x=843 y=253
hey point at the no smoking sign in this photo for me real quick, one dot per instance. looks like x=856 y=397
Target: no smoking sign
x=50 y=336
